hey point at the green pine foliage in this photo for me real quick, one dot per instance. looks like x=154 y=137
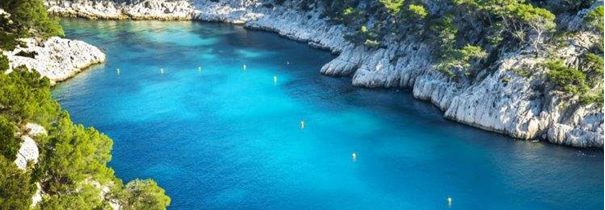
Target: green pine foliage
x=461 y=60
x=594 y=19
x=145 y=194
x=393 y=6
x=16 y=186
x=10 y=143
x=567 y=79
x=32 y=18
x=418 y=11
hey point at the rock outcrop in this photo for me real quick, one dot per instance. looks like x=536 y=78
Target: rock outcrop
x=136 y=9
x=28 y=152
x=500 y=101
x=56 y=58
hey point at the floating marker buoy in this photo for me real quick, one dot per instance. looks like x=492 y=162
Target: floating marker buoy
x=275 y=79
x=118 y=71
x=449 y=201
x=199 y=68
x=288 y=62
x=161 y=70
x=302 y=124
x=354 y=156
x=244 y=66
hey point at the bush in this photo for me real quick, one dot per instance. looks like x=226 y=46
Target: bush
x=16 y=186
x=566 y=79
x=461 y=59
x=418 y=11
x=9 y=144
x=594 y=19
x=596 y=98
x=393 y=6
x=145 y=194
x=3 y=63
x=32 y=18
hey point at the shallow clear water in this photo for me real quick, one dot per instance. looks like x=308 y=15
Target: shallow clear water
x=228 y=138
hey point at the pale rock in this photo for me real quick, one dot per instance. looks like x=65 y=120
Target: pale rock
x=56 y=58
x=34 y=129
x=27 y=152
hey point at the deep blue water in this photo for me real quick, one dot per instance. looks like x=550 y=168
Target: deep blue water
x=229 y=138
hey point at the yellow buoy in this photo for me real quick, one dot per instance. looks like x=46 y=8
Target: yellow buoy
x=302 y=124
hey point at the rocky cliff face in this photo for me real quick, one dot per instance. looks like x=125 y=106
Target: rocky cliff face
x=500 y=100
x=136 y=9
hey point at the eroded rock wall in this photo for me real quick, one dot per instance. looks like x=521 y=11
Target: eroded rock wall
x=500 y=101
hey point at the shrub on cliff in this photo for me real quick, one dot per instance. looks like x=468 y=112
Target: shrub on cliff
x=16 y=186
x=9 y=144
x=26 y=97
x=393 y=6
x=461 y=60
x=3 y=63
x=8 y=36
x=144 y=194
x=418 y=11
x=594 y=19
x=566 y=79
x=32 y=18
x=77 y=154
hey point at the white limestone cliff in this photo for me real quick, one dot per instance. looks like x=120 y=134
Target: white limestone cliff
x=502 y=101
x=138 y=9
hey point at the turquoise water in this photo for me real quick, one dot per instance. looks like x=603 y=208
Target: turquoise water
x=229 y=138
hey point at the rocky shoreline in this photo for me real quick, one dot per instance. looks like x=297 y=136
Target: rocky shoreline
x=502 y=101
x=57 y=59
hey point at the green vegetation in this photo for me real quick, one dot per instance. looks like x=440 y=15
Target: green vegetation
x=145 y=194
x=10 y=143
x=523 y=72
x=578 y=82
x=16 y=186
x=393 y=6
x=418 y=11
x=28 y=18
x=461 y=60
x=567 y=79
x=72 y=166
x=32 y=18
x=594 y=19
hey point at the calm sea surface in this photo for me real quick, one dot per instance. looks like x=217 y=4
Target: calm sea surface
x=184 y=111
